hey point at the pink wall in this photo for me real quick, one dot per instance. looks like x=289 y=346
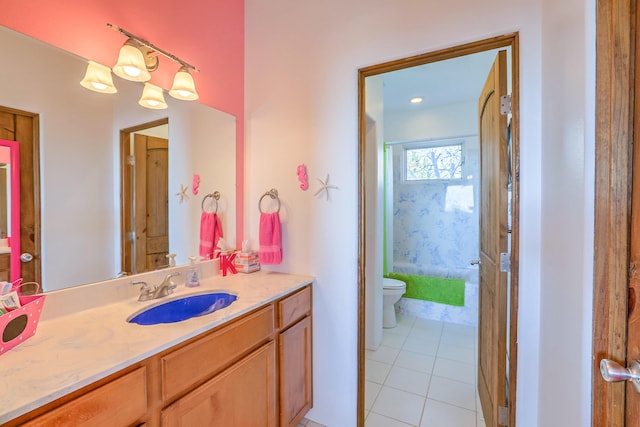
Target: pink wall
x=208 y=34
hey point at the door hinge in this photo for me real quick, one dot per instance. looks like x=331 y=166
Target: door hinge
x=131 y=160
x=505 y=104
x=505 y=262
x=503 y=415
x=131 y=236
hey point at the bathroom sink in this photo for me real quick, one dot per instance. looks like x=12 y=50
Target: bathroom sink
x=183 y=308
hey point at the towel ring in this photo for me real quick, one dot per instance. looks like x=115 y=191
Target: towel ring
x=215 y=196
x=273 y=193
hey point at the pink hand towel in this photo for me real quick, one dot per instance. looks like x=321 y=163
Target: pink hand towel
x=270 y=239
x=210 y=232
x=217 y=234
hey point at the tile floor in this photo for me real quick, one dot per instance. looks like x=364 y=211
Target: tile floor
x=308 y=423
x=423 y=375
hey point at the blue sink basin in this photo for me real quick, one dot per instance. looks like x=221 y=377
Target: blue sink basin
x=183 y=308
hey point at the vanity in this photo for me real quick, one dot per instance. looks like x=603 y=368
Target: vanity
x=249 y=364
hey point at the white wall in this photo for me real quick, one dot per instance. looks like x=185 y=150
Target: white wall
x=567 y=211
x=301 y=106
x=444 y=121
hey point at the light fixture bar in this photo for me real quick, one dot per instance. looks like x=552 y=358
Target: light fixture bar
x=151 y=46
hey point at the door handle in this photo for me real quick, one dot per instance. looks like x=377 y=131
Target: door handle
x=26 y=257
x=613 y=372
x=475 y=262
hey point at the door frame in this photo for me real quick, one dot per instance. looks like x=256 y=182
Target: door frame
x=30 y=234
x=614 y=113
x=125 y=186
x=507 y=40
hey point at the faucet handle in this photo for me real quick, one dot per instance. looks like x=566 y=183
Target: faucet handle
x=169 y=277
x=145 y=285
x=172 y=259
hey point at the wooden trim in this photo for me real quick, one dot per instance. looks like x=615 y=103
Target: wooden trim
x=507 y=40
x=440 y=55
x=514 y=275
x=614 y=128
x=362 y=248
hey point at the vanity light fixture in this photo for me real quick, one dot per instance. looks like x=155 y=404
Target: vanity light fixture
x=133 y=64
x=98 y=78
x=183 y=86
x=152 y=97
x=136 y=60
x=137 y=51
x=416 y=100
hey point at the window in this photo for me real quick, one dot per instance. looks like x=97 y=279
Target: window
x=435 y=161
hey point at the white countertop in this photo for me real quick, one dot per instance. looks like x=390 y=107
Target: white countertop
x=72 y=350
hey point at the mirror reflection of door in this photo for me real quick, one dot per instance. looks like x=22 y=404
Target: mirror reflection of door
x=23 y=127
x=145 y=219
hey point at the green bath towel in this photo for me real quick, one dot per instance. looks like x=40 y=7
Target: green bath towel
x=444 y=291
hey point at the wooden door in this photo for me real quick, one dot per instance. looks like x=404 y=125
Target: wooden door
x=492 y=333
x=243 y=395
x=295 y=370
x=149 y=202
x=23 y=127
x=616 y=276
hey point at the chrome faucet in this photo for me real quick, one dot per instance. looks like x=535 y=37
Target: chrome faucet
x=162 y=290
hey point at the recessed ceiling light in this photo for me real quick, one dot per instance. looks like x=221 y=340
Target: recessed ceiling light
x=416 y=100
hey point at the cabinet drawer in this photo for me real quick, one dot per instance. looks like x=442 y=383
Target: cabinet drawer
x=204 y=358
x=120 y=402
x=294 y=308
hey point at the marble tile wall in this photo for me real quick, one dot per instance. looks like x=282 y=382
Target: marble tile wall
x=436 y=233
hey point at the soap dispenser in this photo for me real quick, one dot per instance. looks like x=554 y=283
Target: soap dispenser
x=192 y=274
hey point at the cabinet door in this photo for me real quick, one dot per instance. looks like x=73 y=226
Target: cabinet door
x=295 y=368
x=243 y=395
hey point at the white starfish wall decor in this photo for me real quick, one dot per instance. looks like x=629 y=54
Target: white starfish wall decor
x=325 y=186
x=183 y=193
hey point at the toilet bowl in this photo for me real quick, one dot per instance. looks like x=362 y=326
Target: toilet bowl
x=392 y=291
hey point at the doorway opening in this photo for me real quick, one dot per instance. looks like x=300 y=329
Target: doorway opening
x=24 y=128
x=144 y=170
x=498 y=371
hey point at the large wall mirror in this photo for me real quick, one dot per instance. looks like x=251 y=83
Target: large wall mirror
x=77 y=135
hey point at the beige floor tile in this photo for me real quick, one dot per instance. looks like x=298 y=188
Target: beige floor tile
x=399 y=405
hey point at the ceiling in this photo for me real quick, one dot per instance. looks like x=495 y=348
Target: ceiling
x=438 y=83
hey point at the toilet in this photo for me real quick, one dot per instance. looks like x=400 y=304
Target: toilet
x=392 y=291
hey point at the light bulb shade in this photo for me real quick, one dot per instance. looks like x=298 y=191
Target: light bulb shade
x=131 y=63
x=183 y=86
x=98 y=78
x=152 y=97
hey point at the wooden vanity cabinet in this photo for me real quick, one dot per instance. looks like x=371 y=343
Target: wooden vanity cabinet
x=254 y=371
x=120 y=402
x=295 y=357
x=243 y=395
